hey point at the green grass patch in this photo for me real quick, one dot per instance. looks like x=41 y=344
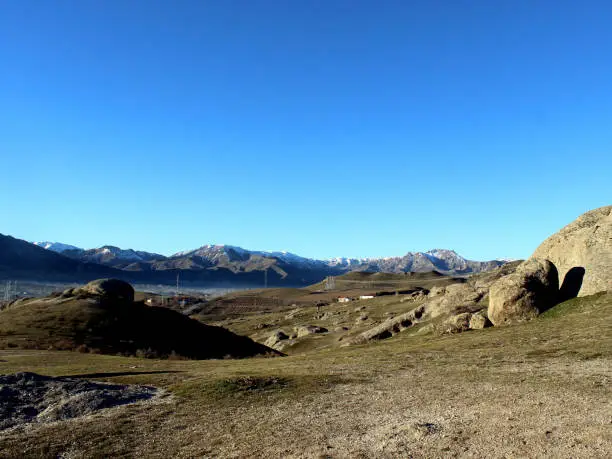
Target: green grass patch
x=576 y=305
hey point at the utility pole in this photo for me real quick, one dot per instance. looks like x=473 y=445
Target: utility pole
x=177 y=283
x=266 y=278
x=8 y=294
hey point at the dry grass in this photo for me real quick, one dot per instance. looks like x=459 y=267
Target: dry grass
x=534 y=390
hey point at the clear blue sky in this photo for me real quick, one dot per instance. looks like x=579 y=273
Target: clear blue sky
x=327 y=128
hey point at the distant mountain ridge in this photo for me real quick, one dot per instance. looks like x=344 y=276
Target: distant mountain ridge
x=55 y=246
x=236 y=259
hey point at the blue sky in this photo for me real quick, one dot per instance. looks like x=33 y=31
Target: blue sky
x=327 y=128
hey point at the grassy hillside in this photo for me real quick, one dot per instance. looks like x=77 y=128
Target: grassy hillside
x=486 y=393
x=92 y=324
x=257 y=301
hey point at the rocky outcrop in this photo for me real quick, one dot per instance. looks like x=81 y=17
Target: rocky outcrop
x=531 y=289
x=275 y=338
x=479 y=321
x=456 y=297
x=582 y=253
x=390 y=327
x=33 y=398
x=457 y=324
x=306 y=330
x=111 y=289
x=465 y=321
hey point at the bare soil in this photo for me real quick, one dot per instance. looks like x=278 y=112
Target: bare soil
x=540 y=389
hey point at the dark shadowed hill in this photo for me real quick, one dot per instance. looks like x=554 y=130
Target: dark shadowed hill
x=20 y=259
x=90 y=320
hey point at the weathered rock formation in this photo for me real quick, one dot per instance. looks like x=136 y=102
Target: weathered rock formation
x=306 y=330
x=275 y=338
x=582 y=253
x=479 y=320
x=531 y=289
x=112 y=289
x=389 y=327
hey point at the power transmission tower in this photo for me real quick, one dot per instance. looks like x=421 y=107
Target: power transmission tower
x=178 y=274
x=330 y=283
x=8 y=294
x=266 y=278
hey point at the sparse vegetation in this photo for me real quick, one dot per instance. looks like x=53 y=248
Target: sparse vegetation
x=496 y=383
x=87 y=322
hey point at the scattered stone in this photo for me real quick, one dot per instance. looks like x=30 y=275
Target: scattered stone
x=390 y=327
x=276 y=338
x=479 y=321
x=457 y=324
x=306 y=330
x=521 y=296
x=292 y=314
x=327 y=315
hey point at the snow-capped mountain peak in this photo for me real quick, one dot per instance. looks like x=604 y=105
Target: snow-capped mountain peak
x=235 y=257
x=56 y=246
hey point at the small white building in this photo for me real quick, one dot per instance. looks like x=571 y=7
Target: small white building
x=366 y=297
x=343 y=299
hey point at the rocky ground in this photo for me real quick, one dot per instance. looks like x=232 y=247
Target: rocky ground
x=538 y=389
x=33 y=398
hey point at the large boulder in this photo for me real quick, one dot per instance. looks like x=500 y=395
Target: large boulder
x=110 y=289
x=582 y=253
x=531 y=289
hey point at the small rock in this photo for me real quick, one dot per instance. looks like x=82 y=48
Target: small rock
x=309 y=330
x=479 y=321
x=276 y=338
x=457 y=324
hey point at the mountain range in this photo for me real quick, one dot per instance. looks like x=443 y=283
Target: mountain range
x=227 y=264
